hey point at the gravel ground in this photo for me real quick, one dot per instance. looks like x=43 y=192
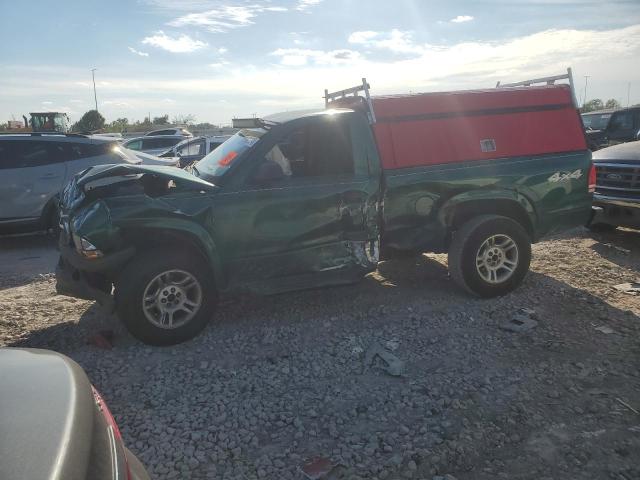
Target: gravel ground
x=275 y=381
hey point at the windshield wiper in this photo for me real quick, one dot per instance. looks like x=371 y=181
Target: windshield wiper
x=193 y=170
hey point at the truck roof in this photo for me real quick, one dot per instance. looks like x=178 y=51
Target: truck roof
x=285 y=117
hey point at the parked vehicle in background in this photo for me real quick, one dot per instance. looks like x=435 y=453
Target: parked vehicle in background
x=148 y=159
x=617 y=198
x=180 y=131
x=152 y=145
x=610 y=127
x=195 y=149
x=113 y=136
x=55 y=425
x=34 y=168
x=311 y=199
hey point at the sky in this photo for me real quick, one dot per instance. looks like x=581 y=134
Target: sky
x=219 y=59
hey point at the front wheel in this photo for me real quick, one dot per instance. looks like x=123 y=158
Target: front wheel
x=490 y=255
x=165 y=297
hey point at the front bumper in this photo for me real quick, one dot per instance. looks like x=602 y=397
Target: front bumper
x=618 y=211
x=80 y=277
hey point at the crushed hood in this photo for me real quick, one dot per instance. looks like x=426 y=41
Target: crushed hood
x=100 y=172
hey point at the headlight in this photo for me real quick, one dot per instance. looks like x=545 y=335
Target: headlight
x=85 y=248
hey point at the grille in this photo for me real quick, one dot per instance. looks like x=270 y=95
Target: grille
x=617 y=179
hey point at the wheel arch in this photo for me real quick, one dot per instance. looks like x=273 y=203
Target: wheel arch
x=459 y=210
x=50 y=208
x=196 y=241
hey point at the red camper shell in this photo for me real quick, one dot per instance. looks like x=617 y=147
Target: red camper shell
x=447 y=127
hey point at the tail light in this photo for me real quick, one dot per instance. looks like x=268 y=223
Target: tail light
x=592 y=178
x=118 y=445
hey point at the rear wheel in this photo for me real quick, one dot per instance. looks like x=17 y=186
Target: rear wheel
x=165 y=298
x=490 y=255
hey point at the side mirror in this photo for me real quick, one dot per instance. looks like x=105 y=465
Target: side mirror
x=268 y=172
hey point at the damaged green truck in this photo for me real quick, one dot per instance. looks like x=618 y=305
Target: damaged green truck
x=315 y=199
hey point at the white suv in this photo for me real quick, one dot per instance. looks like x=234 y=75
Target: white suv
x=35 y=167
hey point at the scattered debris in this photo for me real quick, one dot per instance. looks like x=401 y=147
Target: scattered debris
x=521 y=322
x=392 y=345
x=630 y=288
x=317 y=467
x=622 y=402
x=594 y=434
x=617 y=248
x=634 y=429
x=102 y=339
x=606 y=330
x=393 y=365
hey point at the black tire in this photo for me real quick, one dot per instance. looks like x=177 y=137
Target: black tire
x=601 y=227
x=139 y=274
x=465 y=248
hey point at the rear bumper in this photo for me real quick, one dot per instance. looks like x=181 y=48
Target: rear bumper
x=618 y=211
x=137 y=470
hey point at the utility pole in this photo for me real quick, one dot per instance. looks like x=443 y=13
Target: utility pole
x=586 y=82
x=628 y=93
x=95 y=97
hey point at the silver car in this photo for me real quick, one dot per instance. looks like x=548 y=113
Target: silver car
x=153 y=145
x=34 y=169
x=194 y=149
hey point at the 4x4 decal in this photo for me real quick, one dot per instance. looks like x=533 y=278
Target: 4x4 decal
x=563 y=176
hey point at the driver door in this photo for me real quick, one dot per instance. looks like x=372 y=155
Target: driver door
x=315 y=224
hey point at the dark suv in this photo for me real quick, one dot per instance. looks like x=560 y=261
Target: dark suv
x=609 y=127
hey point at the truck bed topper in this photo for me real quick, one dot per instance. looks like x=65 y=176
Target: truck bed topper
x=521 y=119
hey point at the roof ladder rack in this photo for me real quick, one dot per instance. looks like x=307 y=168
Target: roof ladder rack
x=333 y=96
x=548 y=81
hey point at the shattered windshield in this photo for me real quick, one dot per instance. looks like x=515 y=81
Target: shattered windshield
x=217 y=163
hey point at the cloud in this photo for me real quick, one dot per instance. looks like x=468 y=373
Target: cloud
x=297 y=56
x=219 y=64
x=603 y=54
x=224 y=17
x=47 y=103
x=116 y=103
x=181 y=44
x=222 y=50
x=138 y=52
x=396 y=41
x=461 y=19
x=304 y=5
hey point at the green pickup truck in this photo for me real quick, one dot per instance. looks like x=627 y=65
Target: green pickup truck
x=312 y=199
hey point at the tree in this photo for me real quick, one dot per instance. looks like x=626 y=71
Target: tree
x=591 y=105
x=163 y=120
x=184 y=119
x=90 y=121
x=612 y=103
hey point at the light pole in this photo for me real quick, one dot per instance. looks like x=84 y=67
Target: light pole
x=95 y=97
x=586 y=82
